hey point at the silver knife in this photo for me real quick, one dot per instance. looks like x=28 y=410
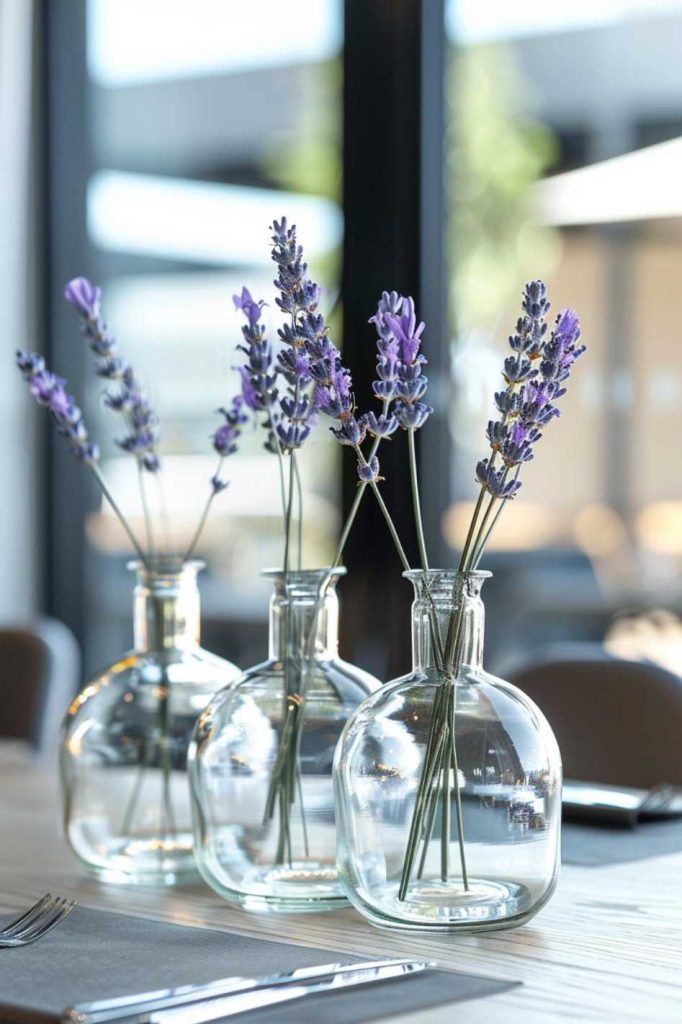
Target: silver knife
x=235 y=995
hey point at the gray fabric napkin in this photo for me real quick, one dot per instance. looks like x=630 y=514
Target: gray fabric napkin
x=95 y=955
x=598 y=845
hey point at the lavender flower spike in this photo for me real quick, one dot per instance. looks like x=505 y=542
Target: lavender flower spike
x=129 y=398
x=534 y=376
x=304 y=339
x=411 y=384
x=226 y=437
x=50 y=392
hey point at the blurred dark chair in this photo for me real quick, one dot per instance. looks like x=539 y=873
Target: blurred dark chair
x=541 y=597
x=617 y=722
x=39 y=676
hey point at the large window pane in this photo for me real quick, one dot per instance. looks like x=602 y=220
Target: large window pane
x=208 y=120
x=565 y=139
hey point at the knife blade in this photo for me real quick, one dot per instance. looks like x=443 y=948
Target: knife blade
x=231 y=1005
x=130 y=1007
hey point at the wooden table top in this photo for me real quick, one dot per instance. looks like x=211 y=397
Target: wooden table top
x=608 y=947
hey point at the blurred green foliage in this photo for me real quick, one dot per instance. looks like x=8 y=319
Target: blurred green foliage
x=496 y=153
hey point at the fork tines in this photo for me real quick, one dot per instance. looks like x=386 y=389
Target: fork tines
x=37 y=921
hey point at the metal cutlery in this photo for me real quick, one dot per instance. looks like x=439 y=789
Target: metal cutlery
x=619 y=805
x=191 y=1004
x=41 y=918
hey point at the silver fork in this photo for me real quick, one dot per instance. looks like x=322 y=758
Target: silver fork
x=38 y=920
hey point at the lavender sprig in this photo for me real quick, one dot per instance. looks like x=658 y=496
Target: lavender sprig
x=534 y=377
x=259 y=378
x=225 y=444
x=298 y=297
x=400 y=385
x=125 y=396
x=129 y=398
x=50 y=392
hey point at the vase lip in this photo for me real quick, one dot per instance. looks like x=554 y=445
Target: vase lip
x=165 y=567
x=304 y=575
x=453 y=574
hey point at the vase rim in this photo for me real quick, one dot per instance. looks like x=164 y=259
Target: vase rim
x=304 y=575
x=165 y=565
x=417 y=574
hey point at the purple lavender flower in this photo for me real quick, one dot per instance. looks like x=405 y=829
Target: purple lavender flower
x=495 y=480
x=251 y=309
x=406 y=330
x=218 y=484
x=305 y=340
x=143 y=437
x=50 y=392
x=130 y=400
x=29 y=363
x=380 y=426
x=258 y=379
x=84 y=296
x=534 y=377
x=226 y=436
x=410 y=383
x=388 y=346
x=334 y=397
x=369 y=471
x=350 y=431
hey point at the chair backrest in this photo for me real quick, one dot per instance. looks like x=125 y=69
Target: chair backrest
x=39 y=675
x=616 y=721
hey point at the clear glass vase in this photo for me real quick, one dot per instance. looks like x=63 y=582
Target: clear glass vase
x=448 y=782
x=123 y=757
x=261 y=759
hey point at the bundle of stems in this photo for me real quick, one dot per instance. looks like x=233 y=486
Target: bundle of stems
x=534 y=376
x=285 y=786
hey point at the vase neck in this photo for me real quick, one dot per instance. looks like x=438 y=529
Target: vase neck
x=304 y=614
x=453 y=600
x=166 y=613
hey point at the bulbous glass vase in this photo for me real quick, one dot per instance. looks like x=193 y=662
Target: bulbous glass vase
x=448 y=782
x=262 y=754
x=123 y=756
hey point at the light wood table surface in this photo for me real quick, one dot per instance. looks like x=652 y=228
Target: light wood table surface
x=608 y=947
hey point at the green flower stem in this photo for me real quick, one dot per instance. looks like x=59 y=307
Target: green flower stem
x=414 y=479
x=477 y=550
x=359 y=494
x=287 y=516
x=428 y=830
x=445 y=825
x=165 y=520
x=470 y=533
x=428 y=774
x=391 y=526
x=145 y=508
x=122 y=519
x=299 y=498
x=440 y=754
x=483 y=542
x=458 y=793
x=202 y=522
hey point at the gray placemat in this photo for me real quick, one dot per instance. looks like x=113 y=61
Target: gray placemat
x=597 y=845
x=95 y=955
